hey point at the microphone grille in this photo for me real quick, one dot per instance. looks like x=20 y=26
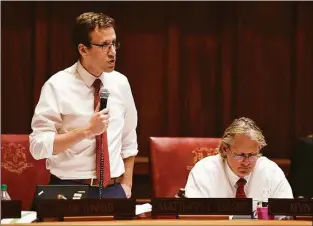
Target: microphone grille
x=104 y=93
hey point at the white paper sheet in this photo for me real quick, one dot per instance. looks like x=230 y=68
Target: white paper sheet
x=144 y=208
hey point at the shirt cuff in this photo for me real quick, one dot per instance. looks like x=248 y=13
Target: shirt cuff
x=128 y=153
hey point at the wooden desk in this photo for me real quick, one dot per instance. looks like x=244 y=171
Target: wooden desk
x=179 y=222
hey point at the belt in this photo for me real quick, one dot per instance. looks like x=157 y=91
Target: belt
x=95 y=182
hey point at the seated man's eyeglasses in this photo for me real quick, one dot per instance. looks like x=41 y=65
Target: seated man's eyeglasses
x=240 y=157
x=106 y=46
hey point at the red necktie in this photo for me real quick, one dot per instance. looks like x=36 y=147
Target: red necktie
x=102 y=159
x=240 y=188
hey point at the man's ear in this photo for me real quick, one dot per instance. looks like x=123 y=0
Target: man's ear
x=223 y=148
x=82 y=50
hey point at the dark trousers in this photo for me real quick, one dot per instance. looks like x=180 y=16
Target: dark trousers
x=112 y=191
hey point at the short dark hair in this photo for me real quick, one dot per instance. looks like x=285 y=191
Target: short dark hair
x=87 y=23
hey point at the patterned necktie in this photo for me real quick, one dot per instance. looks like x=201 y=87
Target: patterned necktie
x=240 y=188
x=102 y=157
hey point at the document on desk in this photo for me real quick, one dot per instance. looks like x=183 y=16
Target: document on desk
x=144 y=208
x=27 y=217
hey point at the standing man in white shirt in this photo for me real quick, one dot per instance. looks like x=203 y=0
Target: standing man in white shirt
x=67 y=119
x=238 y=170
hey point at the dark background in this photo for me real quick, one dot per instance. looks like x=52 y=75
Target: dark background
x=193 y=66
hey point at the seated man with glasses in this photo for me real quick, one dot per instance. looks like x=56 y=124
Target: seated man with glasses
x=239 y=170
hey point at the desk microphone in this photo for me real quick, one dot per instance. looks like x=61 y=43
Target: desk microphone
x=60 y=196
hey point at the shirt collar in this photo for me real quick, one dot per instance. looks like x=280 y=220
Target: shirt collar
x=232 y=177
x=86 y=76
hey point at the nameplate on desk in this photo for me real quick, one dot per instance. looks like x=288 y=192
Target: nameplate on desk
x=85 y=207
x=290 y=207
x=11 y=208
x=201 y=206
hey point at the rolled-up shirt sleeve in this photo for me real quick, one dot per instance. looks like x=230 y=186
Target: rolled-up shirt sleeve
x=129 y=137
x=45 y=123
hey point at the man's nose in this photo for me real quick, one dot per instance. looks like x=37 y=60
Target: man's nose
x=246 y=161
x=112 y=50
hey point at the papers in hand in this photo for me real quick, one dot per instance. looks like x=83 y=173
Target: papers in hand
x=26 y=217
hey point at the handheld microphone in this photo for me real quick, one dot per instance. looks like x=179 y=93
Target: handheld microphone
x=104 y=95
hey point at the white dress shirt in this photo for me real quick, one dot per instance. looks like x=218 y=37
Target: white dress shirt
x=66 y=103
x=211 y=177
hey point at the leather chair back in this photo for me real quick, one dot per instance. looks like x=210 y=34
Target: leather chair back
x=301 y=168
x=19 y=170
x=172 y=158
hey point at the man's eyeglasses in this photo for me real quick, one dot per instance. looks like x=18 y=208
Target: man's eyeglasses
x=241 y=157
x=106 y=46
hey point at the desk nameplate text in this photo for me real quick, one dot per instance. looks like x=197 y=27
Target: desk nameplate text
x=290 y=207
x=201 y=206
x=86 y=207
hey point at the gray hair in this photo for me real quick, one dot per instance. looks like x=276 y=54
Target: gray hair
x=243 y=126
